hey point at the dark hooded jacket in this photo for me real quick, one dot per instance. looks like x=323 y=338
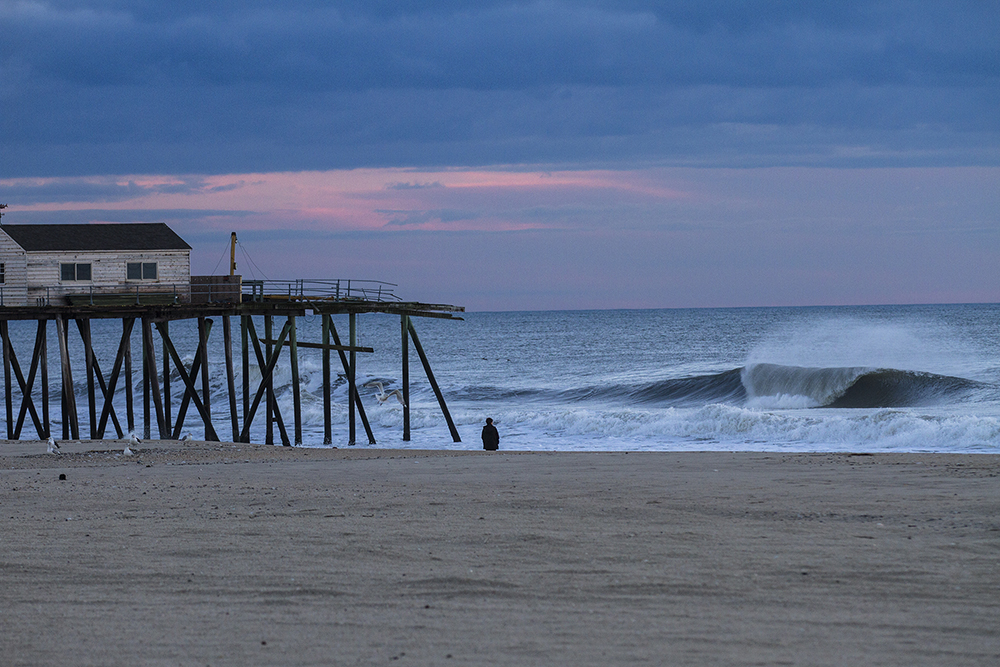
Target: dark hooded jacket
x=491 y=438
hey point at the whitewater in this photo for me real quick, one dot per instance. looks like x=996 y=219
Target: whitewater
x=859 y=379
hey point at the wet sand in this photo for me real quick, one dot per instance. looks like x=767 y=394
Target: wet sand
x=209 y=554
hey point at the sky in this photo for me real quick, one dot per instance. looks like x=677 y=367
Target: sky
x=526 y=155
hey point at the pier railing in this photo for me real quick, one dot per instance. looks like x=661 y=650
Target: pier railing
x=98 y=295
x=303 y=290
x=319 y=290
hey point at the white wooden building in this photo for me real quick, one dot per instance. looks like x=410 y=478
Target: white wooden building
x=69 y=264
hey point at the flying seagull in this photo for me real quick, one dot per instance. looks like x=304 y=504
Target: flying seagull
x=383 y=396
x=53 y=447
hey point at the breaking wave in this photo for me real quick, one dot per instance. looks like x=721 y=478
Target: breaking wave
x=762 y=386
x=849 y=387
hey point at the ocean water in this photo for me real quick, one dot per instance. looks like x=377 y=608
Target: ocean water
x=872 y=379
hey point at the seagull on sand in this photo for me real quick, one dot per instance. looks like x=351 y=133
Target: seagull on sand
x=383 y=396
x=133 y=441
x=52 y=448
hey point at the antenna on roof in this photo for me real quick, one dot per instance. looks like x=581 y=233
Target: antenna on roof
x=2 y=206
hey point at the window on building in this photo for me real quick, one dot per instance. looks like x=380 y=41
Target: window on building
x=3 y=273
x=74 y=271
x=140 y=270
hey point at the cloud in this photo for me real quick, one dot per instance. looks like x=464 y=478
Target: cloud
x=97 y=87
x=418 y=218
x=413 y=186
x=124 y=215
x=26 y=192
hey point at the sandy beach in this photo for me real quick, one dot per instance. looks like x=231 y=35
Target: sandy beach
x=222 y=554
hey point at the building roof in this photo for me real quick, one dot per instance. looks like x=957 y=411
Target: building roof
x=96 y=237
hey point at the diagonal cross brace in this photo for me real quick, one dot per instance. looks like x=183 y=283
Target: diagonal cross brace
x=261 y=363
x=108 y=390
x=195 y=367
x=433 y=382
x=108 y=409
x=265 y=376
x=189 y=385
x=347 y=369
x=27 y=404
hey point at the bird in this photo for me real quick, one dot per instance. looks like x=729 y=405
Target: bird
x=186 y=437
x=53 y=447
x=383 y=396
x=133 y=441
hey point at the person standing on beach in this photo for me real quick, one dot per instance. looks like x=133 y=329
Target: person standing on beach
x=491 y=437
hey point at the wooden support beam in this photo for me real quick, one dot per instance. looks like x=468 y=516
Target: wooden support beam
x=405 y=358
x=293 y=355
x=166 y=381
x=108 y=396
x=434 y=385
x=147 y=419
x=265 y=377
x=327 y=416
x=27 y=403
x=351 y=376
x=43 y=363
x=94 y=370
x=11 y=364
x=71 y=425
x=150 y=358
x=262 y=364
x=124 y=348
x=322 y=346
x=269 y=403
x=245 y=340
x=189 y=385
x=83 y=324
x=127 y=325
x=206 y=388
x=357 y=396
x=227 y=341
x=7 y=383
x=196 y=368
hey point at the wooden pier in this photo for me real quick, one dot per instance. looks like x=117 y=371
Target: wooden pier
x=281 y=310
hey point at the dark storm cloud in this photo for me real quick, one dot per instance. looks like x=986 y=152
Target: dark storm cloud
x=117 y=87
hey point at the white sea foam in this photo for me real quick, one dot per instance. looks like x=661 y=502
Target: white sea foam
x=735 y=428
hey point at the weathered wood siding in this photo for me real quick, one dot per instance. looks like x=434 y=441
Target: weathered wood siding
x=13 y=291
x=108 y=273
